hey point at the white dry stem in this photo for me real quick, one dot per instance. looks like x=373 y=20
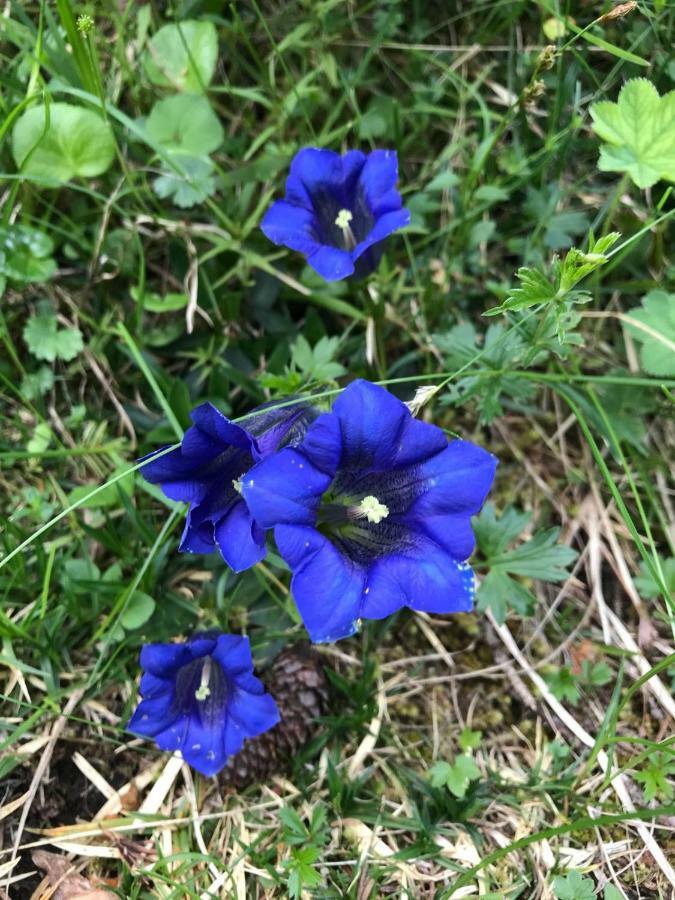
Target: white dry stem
x=619 y=782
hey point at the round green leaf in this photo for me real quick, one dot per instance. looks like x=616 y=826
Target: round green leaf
x=185 y=122
x=71 y=141
x=138 y=610
x=183 y=56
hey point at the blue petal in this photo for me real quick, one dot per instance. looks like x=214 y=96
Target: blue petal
x=454 y=481
x=287 y=486
x=379 y=176
x=238 y=539
x=331 y=263
x=255 y=713
x=291 y=226
x=423 y=578
x=204 y=745
x=313 y=172
x=153 y=716
x=233 y=652
x=164 y=660
x=152 y=686
x=383 y=227
x=379 y=431
x=451 y=532
x=211 y=421
x=327 y=587
x=197 y=538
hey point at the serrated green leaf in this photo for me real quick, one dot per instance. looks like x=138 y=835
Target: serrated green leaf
x=639 y=130
x=65 y=142
x=183 y=56
x=655 y=777
x=438 y=774
x=186 y=123
x=25 y=254
x=468 y=739
x=499 y=593
x=46 y=341
x=36 y=384
x=654 y=328
x=41 y=439
x=563 y=685
x=646 y=583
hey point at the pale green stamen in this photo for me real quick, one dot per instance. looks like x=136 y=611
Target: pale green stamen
x=237 y=485
x=344 y=217
x=204 y=691
x=371 y=508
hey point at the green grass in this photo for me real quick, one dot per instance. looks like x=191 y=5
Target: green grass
x=568 y=667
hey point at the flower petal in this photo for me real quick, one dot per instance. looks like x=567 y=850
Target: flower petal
x=379 y=431
x=326 y=586
x=378 y=176
x=163 y=660
x=287 y=486
x=424 y=578
x=204 y=746
x=291 y=226
x=454 y=481
x=331 y=263
x=313 y=172
x=233 y=652
x=211 y=421
x=152 y=716
x=255 y=713
x=238 y=539
x=383 y=227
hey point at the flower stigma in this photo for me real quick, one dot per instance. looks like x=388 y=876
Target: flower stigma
x=344 y=217
x=204 y=691
x=371 y=509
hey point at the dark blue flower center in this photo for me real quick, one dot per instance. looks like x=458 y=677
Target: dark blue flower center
x=358 y=513
x=201 y=688
x=329 y=204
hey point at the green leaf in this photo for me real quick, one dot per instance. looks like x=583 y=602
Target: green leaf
x=36 y=384
x=639 y=131
x=539 y=557
x=109 y=496
x=46 y=341
x=612 y=893
x=26 y=254
x=654 y=777
x=468 y=739
x=183 y=56
x=438 y=774
x=646 y=584
x=70 y=142
x=463 y=771
x=563 y=685
x=499 y=593
x=654 y=328
x=137 y=611
x=573 y=886
x=42 y=438
x=189 y=189
x=187 y=123
x=595 y=674
x=158 y=303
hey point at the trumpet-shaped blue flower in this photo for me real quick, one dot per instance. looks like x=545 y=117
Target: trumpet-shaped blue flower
x=372 y=512
x=206 y=471
x=202 y=698
x=338 y=210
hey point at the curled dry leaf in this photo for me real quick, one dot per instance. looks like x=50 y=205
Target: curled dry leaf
x=62 y=876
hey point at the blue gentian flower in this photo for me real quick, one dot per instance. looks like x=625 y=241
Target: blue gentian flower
x=202 y=698
x=372 y=512
x=338 y=210
x=206 y=470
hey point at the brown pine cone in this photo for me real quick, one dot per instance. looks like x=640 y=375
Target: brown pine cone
x=297 y=682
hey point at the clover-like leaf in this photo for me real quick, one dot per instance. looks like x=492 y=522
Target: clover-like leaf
x=639 y=131
x=573 y=886
x=26 y=254
x=61 y=142
x=654 y=327
x=185 y=122
x=194 y=186
x=183 y=55
x=46 y=340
